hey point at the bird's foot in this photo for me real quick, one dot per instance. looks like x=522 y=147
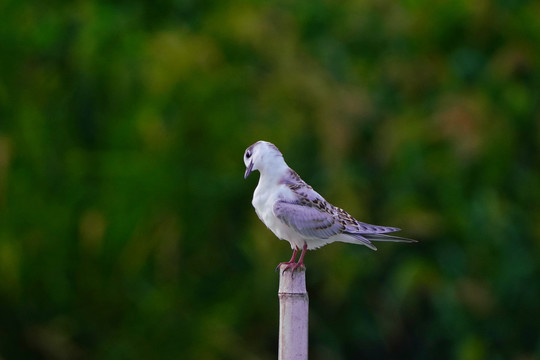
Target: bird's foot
x=294 y=265
x=290 y=265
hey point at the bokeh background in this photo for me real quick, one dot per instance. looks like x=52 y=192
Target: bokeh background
x=126 y=227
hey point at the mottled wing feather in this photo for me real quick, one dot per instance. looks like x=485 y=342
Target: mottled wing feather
x=311 y=215
x=362 y=228
x=308 y=219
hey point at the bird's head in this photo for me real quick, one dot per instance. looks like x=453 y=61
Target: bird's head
x=261 y=155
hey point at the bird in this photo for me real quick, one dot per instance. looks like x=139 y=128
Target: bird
x=294 y=212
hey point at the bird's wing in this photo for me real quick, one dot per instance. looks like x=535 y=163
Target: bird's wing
x=311 y=215
x=311 y=219
x=356 y=227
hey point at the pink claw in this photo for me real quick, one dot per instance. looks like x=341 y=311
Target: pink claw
x=294 y=265
x=290 y=262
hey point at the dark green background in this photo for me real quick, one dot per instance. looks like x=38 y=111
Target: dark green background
x=126 y=228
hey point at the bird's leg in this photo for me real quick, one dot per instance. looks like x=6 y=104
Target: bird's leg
x=301 y=259
x=290 y=262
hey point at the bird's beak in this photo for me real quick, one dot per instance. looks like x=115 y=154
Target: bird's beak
x=249 y=169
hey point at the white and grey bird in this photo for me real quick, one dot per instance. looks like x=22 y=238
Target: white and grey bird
x=295 y=212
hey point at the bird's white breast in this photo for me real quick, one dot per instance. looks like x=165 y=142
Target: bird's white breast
x=264 y=198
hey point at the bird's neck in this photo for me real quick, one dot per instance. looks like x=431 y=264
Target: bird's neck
x=273 y=171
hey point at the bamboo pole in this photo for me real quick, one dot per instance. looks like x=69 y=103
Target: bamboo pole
x=293 y=314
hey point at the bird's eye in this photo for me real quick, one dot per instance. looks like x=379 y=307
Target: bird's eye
x=248 y=154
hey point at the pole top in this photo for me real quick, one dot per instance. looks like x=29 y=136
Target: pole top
x=292 y=282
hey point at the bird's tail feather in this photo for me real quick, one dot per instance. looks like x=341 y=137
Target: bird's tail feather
x=381 y=237
x=357 y=239
x=366 y=239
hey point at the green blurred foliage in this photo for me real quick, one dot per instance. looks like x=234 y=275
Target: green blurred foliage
x=126 y=229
